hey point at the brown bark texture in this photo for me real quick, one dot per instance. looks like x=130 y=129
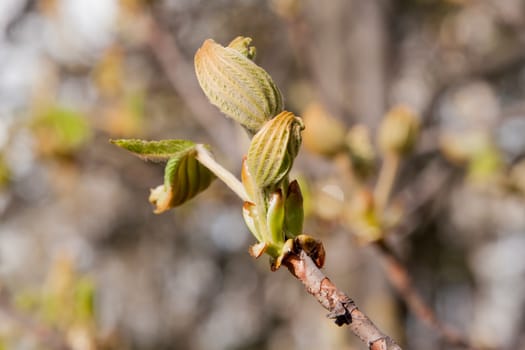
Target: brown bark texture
x=341 y=307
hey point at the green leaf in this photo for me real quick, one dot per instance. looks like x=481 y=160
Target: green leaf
x=84 y=300
x=184 y=175
x=274 y=148
x=60 y=131
x=155 y=150
x=184 y=178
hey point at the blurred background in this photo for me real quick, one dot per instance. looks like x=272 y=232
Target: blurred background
x=85 y=264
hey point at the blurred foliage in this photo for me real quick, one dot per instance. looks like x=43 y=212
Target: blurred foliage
x=74 y=74
x=65 y=304
x=60 y=131
x=5 y=173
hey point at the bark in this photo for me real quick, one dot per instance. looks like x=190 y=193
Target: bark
x=342 y=308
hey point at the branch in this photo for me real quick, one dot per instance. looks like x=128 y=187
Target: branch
x=341 y=308
x=400 y=279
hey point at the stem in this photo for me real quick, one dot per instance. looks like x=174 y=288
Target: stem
x=342 y=309
x=206 y=159
x=385 y=182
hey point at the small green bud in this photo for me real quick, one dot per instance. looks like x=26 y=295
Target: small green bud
x=398 y=131
x=363 y=219
x=237 y=86
x=361 y=151
x=294 y=211
x=274 y=148
x=286 y=250
x=275 y=217
x=324 y=134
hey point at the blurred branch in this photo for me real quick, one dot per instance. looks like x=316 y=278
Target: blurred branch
x=400 y=279
x=180 y=74
x=47 y=336
x=398 y=274
x=342 y=309
x=511 y=57
x=386 y=180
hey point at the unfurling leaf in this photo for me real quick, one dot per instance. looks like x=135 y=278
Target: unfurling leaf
x=237 y=86
x=242 y=44
x=184 y=178
x=155 y=150
x=274 y=148
x=184 y=175
x=294 y=211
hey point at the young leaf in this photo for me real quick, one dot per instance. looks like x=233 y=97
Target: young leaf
x=274 y=148
x=184 y=178
x=237 y=86
x=60 y=131
x=184 y=175
x=155 y=150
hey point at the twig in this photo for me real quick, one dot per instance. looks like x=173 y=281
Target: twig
x=341 y=308
x=402 y=282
